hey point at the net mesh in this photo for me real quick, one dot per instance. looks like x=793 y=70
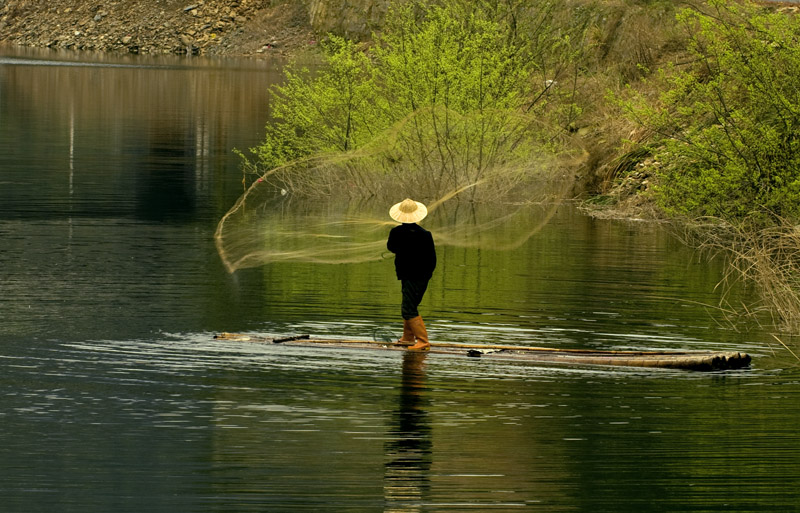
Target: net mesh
x=333 y=208
x=266 y=225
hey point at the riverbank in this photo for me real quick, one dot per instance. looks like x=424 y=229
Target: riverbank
x=205 y=27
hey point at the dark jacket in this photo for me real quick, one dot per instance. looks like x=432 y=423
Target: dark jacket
x=415 y=254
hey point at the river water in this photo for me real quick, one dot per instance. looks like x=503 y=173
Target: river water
x=114 y=396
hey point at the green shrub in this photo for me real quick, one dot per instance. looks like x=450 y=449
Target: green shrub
x=454 y=94
x=728 y=124
x=322 y=112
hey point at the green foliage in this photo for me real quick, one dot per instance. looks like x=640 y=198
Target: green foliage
x=323 y=112
x=729 y=124
x=462 y=82
x=463 y=64
x=451 y=93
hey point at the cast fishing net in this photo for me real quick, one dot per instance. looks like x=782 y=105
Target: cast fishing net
x=333 y=208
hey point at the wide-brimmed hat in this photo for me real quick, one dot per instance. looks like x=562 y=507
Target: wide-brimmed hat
x=408 y=211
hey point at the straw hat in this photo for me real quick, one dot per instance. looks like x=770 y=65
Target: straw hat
x=408 y=211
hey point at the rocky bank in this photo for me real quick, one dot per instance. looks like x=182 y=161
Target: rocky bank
x=198 y=27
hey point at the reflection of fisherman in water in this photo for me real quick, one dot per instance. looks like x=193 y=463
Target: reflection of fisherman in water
x=408 y=451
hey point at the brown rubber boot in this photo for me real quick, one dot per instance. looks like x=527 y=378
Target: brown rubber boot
x=408 y=336
x=418 y=328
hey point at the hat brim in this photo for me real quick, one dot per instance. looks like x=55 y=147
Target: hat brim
x=408 y=217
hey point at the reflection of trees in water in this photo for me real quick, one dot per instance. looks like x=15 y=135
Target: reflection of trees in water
x=408 y=452
x=149 y=138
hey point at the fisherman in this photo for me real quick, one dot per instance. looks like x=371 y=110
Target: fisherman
x=414 y=262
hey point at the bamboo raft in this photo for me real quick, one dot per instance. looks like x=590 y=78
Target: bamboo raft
x=686 y=360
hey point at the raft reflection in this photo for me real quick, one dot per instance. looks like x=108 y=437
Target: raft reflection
x=408 y=452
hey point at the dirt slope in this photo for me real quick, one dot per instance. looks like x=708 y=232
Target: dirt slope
x=207 y=27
